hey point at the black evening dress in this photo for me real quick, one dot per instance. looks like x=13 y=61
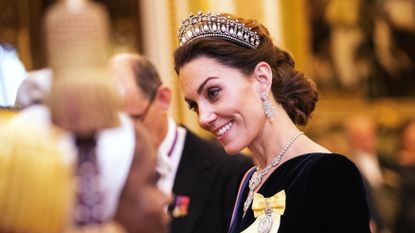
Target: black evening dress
x=324 y=194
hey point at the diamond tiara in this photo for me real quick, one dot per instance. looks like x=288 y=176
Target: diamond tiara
x=208 y=25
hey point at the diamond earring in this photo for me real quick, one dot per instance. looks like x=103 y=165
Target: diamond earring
x=268 y=108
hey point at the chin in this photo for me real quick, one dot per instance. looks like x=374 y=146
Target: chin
x=232 y=149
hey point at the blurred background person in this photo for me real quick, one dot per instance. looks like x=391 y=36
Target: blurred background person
x=379 y=174
x=12 y=74
x=405 y=220
x=127 y=168
x=38 y=183
x=34 y=89
x=141 y=206
x=37 y=186
x=406 y=153
x=188 y=165
x=82 y=101
x=113 y=164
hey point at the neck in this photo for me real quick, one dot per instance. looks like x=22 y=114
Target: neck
x=272 y=139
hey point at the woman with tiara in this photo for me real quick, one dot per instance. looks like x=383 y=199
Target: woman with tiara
x=247 y=92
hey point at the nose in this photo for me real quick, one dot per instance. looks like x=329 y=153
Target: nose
x=206 y=117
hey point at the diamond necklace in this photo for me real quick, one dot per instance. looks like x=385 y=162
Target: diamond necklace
x=256 y=178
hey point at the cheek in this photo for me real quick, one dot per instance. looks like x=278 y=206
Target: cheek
x=253 y=115
x=247 y=112
x=246 y=104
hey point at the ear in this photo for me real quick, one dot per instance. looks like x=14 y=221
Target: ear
x=163 y=97
x=263 y=76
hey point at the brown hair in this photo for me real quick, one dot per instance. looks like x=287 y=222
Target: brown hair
x=146 y=75
x=294 y=91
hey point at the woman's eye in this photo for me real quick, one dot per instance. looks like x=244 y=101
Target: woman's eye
x=212 y=93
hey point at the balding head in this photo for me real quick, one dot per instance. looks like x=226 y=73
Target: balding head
x=140 y=69
x=143 y=95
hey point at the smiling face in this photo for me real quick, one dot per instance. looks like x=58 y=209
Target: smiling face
x=227 y=102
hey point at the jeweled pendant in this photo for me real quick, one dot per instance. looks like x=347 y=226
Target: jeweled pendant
x=265 y=224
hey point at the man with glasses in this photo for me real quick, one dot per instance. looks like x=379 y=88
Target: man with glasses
x=200 y=175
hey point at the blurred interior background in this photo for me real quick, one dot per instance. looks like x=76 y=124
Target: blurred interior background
x=361 y=53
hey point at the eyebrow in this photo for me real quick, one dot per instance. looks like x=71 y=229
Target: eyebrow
x=199 y=90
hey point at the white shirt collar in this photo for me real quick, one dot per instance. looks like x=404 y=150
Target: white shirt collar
x=167 y=165
x=168 y=141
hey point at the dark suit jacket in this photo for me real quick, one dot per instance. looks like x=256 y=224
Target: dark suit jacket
x=209 y=178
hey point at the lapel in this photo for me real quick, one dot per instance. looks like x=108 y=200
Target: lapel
x=193 y=181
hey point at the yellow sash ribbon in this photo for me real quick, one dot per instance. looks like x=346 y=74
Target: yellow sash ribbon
x=276 y=203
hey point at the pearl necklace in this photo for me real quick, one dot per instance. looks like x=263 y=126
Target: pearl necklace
x=257 y=176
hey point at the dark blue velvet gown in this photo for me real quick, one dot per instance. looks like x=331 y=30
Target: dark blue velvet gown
x=324 y=194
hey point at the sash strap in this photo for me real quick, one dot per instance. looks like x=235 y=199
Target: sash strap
x=239 y=200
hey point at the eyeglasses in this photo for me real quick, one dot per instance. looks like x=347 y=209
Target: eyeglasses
x=142 y=116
